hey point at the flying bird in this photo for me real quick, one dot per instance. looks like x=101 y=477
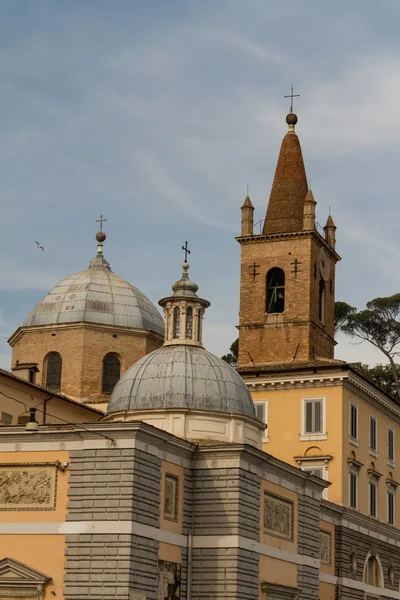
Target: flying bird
x=39 y=246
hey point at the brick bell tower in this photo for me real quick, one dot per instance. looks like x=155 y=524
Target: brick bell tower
x=287 y=280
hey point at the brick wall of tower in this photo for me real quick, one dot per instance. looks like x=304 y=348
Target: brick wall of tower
x=297 y=332
x=82 y=348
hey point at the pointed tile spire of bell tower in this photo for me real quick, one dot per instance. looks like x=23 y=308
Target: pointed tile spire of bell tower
x=286 y=202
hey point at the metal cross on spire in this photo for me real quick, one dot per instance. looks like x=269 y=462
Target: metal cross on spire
x=291 y=96
x=101 y=221
x=186 y=250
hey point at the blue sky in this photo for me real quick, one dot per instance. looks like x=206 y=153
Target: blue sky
x=158 y=113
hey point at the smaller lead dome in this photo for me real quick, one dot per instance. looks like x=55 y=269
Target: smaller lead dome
x=186 y=377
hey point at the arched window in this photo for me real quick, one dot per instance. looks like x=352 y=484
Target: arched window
x=322 y=301
x=177 y=322
x=53 y=371
x=111 y=372
x=189 y=323
x=275 y=291
x=373 y=572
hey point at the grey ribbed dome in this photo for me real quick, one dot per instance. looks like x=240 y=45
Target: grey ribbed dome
x=97 y=295
x=182 y=376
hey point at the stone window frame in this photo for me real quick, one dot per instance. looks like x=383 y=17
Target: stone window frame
x=391 y=488
x=46 y=370
x=373 y=481
x=264 y=403
x=373 y=451
x=391 y=461
x=380 y=583
x=354 y=469
x=309 y=463
x=292 y=520
x=353 y=440
x=104 y=383
x=268 y=296
x=176 y=478
x=21 y=581
x=318 y=435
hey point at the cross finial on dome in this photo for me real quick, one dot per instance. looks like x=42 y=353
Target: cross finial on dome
x=187 y=251
x=100 y=262
x=100 y=235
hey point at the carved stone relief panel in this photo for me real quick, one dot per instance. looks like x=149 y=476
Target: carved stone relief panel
x=325 y=547
x=28 y=486
x=278 y=516
x=171 y=501
x=169 y=580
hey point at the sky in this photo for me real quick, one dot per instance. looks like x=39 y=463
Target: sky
x=159 y=113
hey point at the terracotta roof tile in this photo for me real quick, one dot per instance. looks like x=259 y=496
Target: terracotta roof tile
x=289 y=189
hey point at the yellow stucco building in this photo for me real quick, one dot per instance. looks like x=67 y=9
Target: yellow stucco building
x=322 y=414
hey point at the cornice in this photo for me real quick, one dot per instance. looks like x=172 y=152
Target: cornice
x=83 y=325
x=112 y=432
x=372 y=394
x=249 y=239
x=264 y=462
x=352 y=519
x=345 y=377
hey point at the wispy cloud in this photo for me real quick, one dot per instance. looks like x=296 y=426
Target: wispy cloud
x=162 y=121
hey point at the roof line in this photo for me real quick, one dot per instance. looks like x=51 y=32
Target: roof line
x=48 y=391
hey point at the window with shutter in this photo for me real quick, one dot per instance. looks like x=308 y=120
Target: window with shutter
x=353 y=482
x=372 y=498
x=353 y=422
x=390 y=507
x=372 y=435
x=391 y=445
x=313 y=417
x=262 y=415
x=313 y=414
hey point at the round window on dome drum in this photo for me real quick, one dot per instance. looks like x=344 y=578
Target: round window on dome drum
x=111 y=372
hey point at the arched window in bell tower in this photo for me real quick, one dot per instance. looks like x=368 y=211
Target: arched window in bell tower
x=53 y=371
x=322 y=301
x=111 y=372
x=177 y=322
x=275 y=291
x=189 y=323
